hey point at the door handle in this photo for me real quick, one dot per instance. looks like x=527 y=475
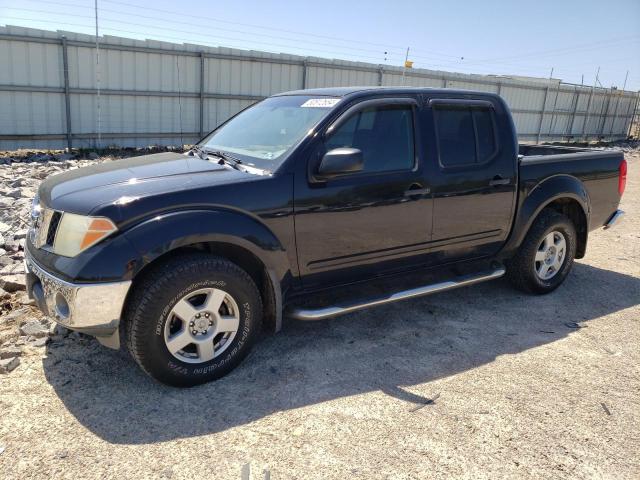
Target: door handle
x=415 y=190
x=498 y=180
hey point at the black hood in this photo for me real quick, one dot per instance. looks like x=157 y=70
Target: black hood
x=85 y=189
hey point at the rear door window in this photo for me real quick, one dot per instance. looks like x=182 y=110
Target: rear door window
x=456 y=138
x=465 y=135
x=483 y=120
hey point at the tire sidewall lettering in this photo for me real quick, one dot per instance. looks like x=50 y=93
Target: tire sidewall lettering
x=161 y=288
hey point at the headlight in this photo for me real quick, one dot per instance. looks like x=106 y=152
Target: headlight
x=76 y=233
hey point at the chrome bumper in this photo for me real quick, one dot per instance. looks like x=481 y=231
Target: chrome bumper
x=613 y=219
x=92 y=308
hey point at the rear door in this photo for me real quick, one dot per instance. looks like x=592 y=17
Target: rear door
x=473 y=177
x=366 y=223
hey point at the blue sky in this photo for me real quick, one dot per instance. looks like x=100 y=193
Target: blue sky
x=492 y=36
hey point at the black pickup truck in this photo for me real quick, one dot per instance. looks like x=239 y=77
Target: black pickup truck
x=296 y=207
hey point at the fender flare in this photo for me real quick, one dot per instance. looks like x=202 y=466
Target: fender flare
x=157 y=236
x=543 y=194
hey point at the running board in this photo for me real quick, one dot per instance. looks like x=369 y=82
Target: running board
x=310 y=314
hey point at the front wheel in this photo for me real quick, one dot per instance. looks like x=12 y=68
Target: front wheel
x=546 y=255
x=192 y=319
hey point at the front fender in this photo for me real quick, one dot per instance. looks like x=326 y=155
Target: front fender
x=164 y=233
x=543 y=194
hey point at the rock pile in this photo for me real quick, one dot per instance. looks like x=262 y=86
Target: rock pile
x=22 y=325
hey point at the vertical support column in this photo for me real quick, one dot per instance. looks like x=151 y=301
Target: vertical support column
x=305 y=66
x=553 y=112
x=542 y=112
x=575 y=101
x=380 y=75
x=588 y=113
x=67 y=96
x=635 y=111
x=201 y=122
x=604 y=112
x=627 y=114
x=615 y=114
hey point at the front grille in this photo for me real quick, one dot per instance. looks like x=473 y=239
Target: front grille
x=45 y=228
x=53 y=227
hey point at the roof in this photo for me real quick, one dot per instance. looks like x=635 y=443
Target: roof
x=329 y=91
x=344 y=91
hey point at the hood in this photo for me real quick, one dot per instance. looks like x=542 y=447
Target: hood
x=85 y=189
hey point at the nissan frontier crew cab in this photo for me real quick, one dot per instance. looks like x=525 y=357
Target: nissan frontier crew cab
x=302 y=205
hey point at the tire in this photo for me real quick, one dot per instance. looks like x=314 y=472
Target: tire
x=176 y=302
x=526 y=270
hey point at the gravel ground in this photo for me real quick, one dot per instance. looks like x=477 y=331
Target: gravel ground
x=483 y=382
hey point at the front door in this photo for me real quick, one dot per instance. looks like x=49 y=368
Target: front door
x=370 y=222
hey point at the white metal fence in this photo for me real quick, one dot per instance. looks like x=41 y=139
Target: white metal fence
x=160 y=93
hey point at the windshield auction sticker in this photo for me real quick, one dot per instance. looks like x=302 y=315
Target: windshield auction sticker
x=320 y=102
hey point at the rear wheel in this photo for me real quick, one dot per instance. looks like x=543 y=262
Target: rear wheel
x=193 y=319
x=546 y=255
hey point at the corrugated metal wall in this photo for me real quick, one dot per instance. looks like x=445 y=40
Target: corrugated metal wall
x=158 y=93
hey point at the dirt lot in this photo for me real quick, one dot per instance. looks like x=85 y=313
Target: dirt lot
x=482 y=382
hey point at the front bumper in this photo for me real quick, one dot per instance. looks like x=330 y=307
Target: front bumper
x=92 y=308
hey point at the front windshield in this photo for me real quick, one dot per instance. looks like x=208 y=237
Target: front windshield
x=263 y=133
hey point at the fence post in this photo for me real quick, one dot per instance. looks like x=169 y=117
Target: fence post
x=542 y=111
x=67 y=96
x=305 y=64
x=553 y=112
x=588 y=113
x=633 y=116
x=604 y=113
x=576 y=100
x=615 y=114
x=201 y=94
x=626 y=115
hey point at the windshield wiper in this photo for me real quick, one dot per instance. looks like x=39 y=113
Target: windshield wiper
x=225 y=157
x=199 y=151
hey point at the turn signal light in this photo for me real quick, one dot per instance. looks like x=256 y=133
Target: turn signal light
x=98 y=229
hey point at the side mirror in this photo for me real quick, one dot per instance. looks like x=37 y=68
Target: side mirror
x=340 y=161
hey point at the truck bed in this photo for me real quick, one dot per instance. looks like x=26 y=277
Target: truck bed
x=528 y=150
x=598 y=170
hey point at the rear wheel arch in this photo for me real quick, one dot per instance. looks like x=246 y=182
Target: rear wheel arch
x=549 y=247
x=561 y=193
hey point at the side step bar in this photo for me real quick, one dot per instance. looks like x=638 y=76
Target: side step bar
x=309 y=314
